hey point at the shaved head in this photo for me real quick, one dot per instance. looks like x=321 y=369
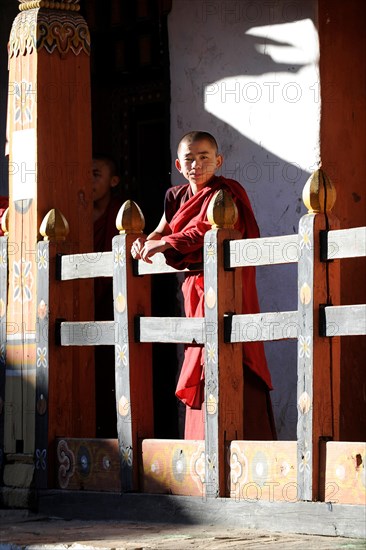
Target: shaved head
x=197 y=136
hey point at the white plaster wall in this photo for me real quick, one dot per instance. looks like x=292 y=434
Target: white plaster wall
x=247 y=71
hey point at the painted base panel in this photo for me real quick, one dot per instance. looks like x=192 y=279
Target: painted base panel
x=259 y=470
x=346 y=472
x=88 y=464
x=175 y=467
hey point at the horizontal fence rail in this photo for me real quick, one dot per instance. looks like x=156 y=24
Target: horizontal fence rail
x=346 y=243
x=343 y=320
x=258 y=327
x=173 y=330
x=261 y=327
x=158 y=266
x=84 y=266
x=95 y=333
x=284 y=249
x=100 y=264
x=343 y=243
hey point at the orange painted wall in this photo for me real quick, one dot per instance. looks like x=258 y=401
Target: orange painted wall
x=343 y=145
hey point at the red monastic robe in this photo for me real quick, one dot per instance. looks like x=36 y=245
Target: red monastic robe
x=4 y=203
x=188 y=225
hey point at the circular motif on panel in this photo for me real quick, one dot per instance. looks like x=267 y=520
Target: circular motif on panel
x=211 y=298
x=179 y=464
x=259 y=468
x=42 y=309
x=66 y=460
x=305 y=294
x=238 y=464
x=106 y=462
x=120 y=303
x=41 y=405
x=158 y=465
x=304 y=403
x=211 y=404
x=83 y=461
x=198 y=466
x=123 y=406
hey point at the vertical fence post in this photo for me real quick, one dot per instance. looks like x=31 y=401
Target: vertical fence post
x=133 y=361
x=223 y=362
x=318 y=357
x=54 y=227
x=3 y=306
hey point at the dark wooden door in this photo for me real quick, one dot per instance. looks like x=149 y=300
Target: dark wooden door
x=131 y=122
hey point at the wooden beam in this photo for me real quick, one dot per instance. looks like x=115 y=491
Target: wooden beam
x=263 y=251
x=171 y=330
x=158 y=266
x=92 y=333
x=346 y=243
x=262 y=327
x=85 y=266
x=345 y=320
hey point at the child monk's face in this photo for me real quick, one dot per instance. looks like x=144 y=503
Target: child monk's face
x=103 y=180
x=198 y=162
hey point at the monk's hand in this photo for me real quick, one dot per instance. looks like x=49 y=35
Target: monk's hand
x=152 y=247
x=137 y=247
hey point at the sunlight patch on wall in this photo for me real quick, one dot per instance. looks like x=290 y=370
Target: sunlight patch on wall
x=277 y=110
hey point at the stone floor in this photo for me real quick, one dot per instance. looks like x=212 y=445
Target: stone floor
x=22 y=530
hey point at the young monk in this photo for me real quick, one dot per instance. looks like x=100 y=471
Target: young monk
x=106 y=204
x=180 y=236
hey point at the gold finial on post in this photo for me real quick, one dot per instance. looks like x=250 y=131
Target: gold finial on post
x=130 y=218
x=222 y=211
x=319 y=194
x=54 y=226
x=5 y=222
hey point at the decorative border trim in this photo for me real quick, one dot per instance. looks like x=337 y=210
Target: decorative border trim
x=53 y=30
x=51 y=5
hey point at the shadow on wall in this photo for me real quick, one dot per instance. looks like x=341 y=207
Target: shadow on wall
x=247 y=72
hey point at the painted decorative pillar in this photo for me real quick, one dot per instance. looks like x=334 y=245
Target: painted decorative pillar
x=318 y=385
x=49 y=133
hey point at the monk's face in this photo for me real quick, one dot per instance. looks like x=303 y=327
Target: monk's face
x=103 y=180
x=198 y=162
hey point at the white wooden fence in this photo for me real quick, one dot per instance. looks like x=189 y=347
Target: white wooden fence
x=317 y=323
